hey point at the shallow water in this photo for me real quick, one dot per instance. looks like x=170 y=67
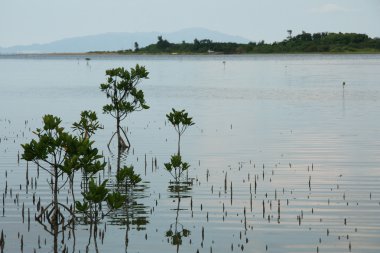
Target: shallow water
x=282 y=119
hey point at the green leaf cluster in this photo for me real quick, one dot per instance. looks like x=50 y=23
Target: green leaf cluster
x=96 y=193
x=54 y=147
x=61 y=150
x=94 y=197
x=87 y=124
x=115 y=200
x=127 y=176
x=180 y=120
x=176 y=167
x=121 y=89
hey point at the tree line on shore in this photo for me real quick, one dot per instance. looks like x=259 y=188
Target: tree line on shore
x=323 y=42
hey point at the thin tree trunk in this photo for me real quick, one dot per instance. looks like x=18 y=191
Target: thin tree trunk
x=176 y=219
x=127 y=231
x=118 y=131
x=72 y=187
x=118 y=140
x=74 y=237
x=179 y=144
x=89 y=239
x=55 y=213
x=95 y=237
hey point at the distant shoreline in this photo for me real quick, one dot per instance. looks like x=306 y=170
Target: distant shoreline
x=88 y=54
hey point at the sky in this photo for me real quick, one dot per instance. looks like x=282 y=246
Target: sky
x=24 y=22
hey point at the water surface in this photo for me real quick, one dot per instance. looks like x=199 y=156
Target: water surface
x=282 y=119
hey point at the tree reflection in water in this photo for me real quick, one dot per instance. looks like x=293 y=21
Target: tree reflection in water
x=176 y=230
x=134 y=215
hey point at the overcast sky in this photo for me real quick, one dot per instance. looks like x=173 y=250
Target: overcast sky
x=41 y=21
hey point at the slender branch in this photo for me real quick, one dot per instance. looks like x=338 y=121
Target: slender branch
x=111 y=139
x=63 y=183
x=122 y=117
x=172 y=174
x=126 y=137
x=42 y=167
x=59 y=155
x=51 y=186
x=124 y=133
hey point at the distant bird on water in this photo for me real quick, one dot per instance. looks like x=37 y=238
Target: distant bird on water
x=344 y=83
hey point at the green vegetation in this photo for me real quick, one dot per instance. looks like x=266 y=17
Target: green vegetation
x=176 y=167
x=58 y=153
x=93 y=198
x=93 y=194
x=86 y=127
x=180 y=121
x=121 y=89
x=303 y=43
x=92 y=205
x=61 y=154
x=127 y=177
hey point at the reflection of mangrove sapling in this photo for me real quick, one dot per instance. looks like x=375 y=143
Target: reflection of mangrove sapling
x=121 y=88
x=178 y=166
x=180 y=120
x=177 y=231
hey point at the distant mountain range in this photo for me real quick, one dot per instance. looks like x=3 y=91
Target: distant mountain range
x=120 y=41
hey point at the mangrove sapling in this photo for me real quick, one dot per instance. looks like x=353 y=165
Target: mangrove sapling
x=92 y=201
x=90 y=164
x=176 y=167
x=121 y=89
x=127 y=177
x=87 y=126
x=57 y=152
x=180 y=120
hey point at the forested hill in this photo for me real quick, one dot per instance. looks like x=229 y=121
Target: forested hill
x=302 y=43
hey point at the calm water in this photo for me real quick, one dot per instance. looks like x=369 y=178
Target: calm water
x=280 y=119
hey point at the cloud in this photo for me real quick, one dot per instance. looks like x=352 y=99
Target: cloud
x=329 y=8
